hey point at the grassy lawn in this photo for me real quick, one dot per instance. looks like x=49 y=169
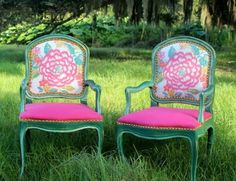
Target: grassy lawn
x=73 y=156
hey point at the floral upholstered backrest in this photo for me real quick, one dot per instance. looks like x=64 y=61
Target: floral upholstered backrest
x=56 y=66
x=183 y=69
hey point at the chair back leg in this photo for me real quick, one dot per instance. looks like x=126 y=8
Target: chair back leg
x=100 y=139
x=210 y=140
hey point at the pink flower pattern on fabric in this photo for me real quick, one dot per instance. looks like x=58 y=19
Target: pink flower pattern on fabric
x=57 y=68
x=36 y=55
x=161 y=55
x=36 y=50
x=182 y=71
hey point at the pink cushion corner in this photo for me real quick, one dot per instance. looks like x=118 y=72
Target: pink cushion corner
x=59 y=112
x=164 y=118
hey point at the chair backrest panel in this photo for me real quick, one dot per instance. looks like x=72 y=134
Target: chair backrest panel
x=56 y=66
x=183 y=68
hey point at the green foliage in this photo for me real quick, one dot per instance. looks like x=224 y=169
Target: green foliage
x=21 y=33
x=220 y=37
x=53 y=14
x=50 y=12
x=217 y=37
x=190 y=29
x=70 y=156
x=104 y=32
x=142 y=36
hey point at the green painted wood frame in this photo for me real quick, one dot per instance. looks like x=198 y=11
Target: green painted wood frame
x=204 y=103
x=59 y=127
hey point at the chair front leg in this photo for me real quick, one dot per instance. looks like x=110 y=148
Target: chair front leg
x=119 y=141
x=22 y=148
x=194 y=157
x=210 y=140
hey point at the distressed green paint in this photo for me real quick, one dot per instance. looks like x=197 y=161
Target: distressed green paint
x=97 y=90
x=59 y=127
x=160 y=134
x=130 y=90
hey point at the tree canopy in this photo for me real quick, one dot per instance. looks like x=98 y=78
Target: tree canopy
x=53 y=13
x=49 y=12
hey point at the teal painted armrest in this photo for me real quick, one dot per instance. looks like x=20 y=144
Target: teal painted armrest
x=209 y=91
x=22 y=95
x=130 y=90
x=97 y=90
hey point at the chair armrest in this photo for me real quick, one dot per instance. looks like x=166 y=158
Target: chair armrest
x=209 y=91
x=22 y=95
x=97 y=89
x=130 y=90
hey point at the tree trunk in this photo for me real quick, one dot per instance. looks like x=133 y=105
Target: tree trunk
x=188 y=7
x=206 y=17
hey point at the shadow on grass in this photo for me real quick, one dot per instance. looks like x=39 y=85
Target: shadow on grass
x=121 y=54
x=12 y=53
x=225 y=78
x=10 y=68
x=226 y=59
x=15 y=53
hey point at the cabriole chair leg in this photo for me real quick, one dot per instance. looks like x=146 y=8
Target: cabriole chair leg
x=120 y=145
x=22 y=149
x=194 y=155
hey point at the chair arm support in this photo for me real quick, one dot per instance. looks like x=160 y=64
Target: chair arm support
x=209 y=91
x=130 y=90
x=97 y=89
x=22 y=95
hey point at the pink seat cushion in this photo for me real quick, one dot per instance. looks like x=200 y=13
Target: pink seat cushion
x=59 y=112
x=160 y=117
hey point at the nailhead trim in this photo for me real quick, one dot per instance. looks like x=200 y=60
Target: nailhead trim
x=162 y=128
x=150 y=127
x=57 y=121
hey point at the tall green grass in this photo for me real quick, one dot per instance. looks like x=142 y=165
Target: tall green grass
x=72 y=156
